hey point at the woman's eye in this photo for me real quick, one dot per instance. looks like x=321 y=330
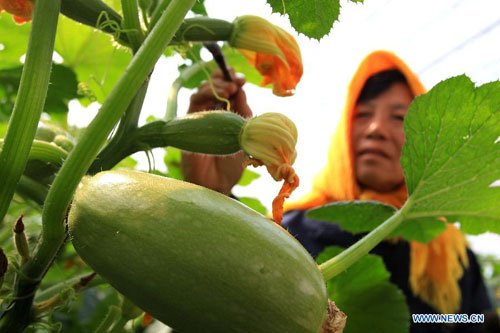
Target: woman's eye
x=399 y=117
x=362 y=115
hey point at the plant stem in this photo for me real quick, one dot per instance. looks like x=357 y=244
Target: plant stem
x=184 y=77
x=344 y=260
x=57 y=288
x=127 y=124
x=31 y=189
x=29 y=101
x=132 y=24
x=118 y=326
x=44 y=151
x=203 y=29
x=113 y=313
x=81 y=157
x=160 y=8
x=130 y=119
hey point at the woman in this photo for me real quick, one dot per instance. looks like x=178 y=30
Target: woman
x=439 y=277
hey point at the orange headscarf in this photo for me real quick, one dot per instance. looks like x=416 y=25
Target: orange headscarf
x=435 y=267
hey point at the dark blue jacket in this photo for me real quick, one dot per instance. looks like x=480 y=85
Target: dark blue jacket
x=316 y=235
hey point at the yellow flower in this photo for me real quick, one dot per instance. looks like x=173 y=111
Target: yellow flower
x=21 y=10
x=270 y=140
x=271 y=50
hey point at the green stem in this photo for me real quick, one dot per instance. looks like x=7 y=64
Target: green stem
x=118 y=326
x=344 y=260
x=59 y=287
x=185 y=76
x=203 y=29
x=113 y=313
x=127 y=124
x=44 y=151
x=160 y=8
x=30 y=99
x=173 y=95
x=132 y=24
x=81 y=157
x=31 y=189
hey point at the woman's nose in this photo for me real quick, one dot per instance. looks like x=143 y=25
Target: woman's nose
x=377 y=127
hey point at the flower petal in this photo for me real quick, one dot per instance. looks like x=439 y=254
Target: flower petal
x=271 y=50
x=21 y=10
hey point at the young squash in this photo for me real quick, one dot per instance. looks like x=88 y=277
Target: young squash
x=193 y=258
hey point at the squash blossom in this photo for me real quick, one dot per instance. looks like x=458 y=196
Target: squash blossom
x=21 y=10
x=270 y=140
x=271 y=50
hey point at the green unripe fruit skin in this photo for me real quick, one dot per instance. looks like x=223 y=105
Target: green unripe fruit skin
x=194 y=258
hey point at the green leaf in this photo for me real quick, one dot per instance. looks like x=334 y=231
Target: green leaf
x=239 y=63
x=451 y=158
x=191 y=79
x=451 y=155
x=248 y=177
x=365 y=295
x=313 y=18
x=422 y=230
x=93 y=56
x=62 y=89
x=364 y=216
x=354 y=216
x=254 y=203
x=199 y=8
x=14 y=40
x=127 y=163
x=172 y=161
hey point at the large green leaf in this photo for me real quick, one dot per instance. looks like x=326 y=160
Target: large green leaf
x=13 y=41
x=97 y=62
x=313 y=18
x=451 y=155
x=364 y=216
x=62 y=88
x=354 y=216
x=365 y=295
x=451 y=159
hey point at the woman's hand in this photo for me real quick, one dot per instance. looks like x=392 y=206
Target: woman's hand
x=219 y=173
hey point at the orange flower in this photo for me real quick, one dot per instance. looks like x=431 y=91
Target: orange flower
x=270 y=139
x=271 y=50
x=21 y=10
x=146 y=319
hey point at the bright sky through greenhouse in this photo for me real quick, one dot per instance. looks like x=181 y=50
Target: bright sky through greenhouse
x=437 y=39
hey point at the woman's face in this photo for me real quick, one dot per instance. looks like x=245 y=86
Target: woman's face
x=378 y=138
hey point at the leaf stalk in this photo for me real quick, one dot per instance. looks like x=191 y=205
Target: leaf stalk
x=351 y=255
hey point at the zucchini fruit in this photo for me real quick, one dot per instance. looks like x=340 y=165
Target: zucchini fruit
x=193 y=258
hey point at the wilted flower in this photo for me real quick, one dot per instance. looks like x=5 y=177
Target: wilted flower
x=21 y=10
x=270 y=140
x=271 y=50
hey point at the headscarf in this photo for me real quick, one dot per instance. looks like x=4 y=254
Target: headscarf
x=435 y=267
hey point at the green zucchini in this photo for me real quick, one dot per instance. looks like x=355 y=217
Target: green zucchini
x=193 y=258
